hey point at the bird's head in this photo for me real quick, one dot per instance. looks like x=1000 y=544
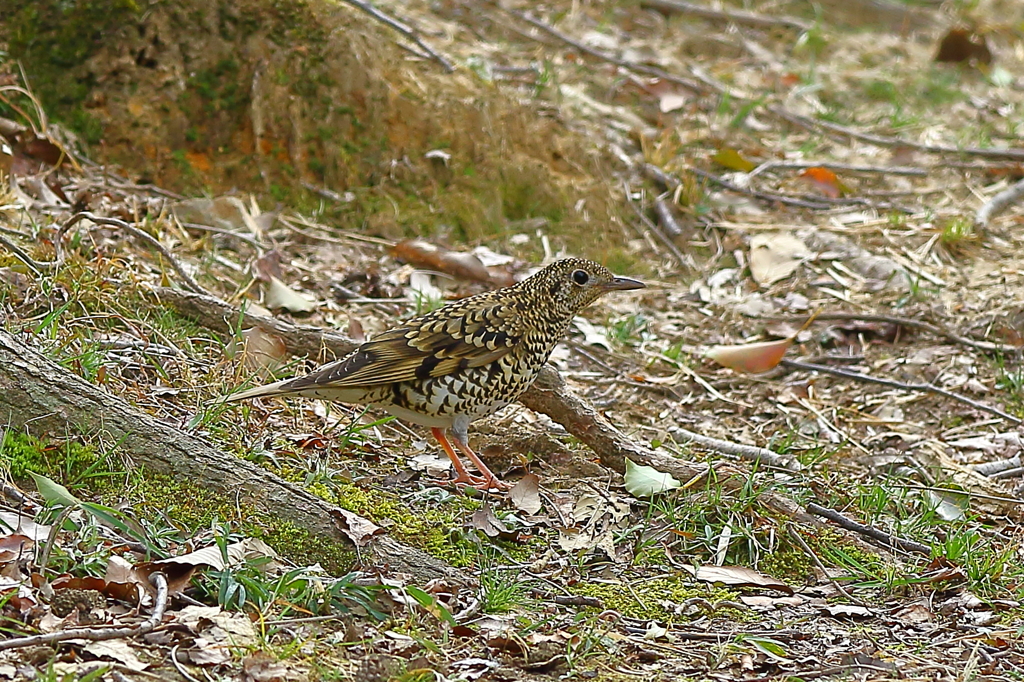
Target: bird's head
x=575 y=283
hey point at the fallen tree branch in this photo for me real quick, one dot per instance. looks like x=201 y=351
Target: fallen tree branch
x=795 y=534
x=818 y=203
x=158 y=580
x=32 y=264
x=549 y=395
x=658 y=232
x=670 y=182
x=38 y=394
x=666 y=218
x=849 y=167
x=130 y=229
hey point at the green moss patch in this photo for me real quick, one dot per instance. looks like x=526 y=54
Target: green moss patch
x=650 y=599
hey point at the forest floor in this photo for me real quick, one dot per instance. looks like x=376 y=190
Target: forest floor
x=816 y=179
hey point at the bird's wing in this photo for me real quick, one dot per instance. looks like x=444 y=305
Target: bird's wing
x=433 y=345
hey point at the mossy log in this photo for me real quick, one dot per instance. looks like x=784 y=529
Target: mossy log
x=44 y=398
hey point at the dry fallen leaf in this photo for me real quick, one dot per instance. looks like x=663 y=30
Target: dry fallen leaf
x=525 y=494
x=752 y=358
x=262 y=351
x=962 y=45
x=14 y=546
x=775 y=256
x=825 y=181
x=423 y=254
x=484 y=520
x=277 y=295
x=737 y=576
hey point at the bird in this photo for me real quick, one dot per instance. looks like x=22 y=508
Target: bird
x=462 y=361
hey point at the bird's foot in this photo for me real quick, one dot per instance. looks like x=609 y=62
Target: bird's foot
x=482 y=483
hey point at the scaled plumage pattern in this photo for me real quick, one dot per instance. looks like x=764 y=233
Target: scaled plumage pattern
x=463 y=361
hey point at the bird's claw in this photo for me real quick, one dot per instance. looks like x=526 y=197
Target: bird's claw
x=482 y=483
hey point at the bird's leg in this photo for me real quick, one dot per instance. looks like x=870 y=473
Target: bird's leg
x=461 y=437
x=461 y=474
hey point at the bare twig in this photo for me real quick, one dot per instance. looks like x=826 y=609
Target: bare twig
x=694 y=85
x=346 y=237
x=33 y=265
x=921 y=387
x=852 y=168
x=883 y=141
x=669 y=181
x=666 y=218
x=324 y=192
x=230 y=233
x=829 y=202
x=130 y=229
x=656 y=231
x=158 y=580
x=750 y=453
x=1008 y=473
x=903 y=322
x=576 y=600
x=890 y=541
x=404 y=29
x=999 y=203
x=179 y=667
x=795 y=534
x=731 y=15
x=994 y=469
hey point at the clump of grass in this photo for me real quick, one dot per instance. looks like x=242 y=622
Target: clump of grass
x=958 y=234
x=501 y=590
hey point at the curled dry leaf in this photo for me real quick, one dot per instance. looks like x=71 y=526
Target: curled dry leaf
x=423 y=254
x=670 y=97
x=483 y=519
x=126 y=591
x=179 y=569
x=278 y=295
x=359 y=530
x=752 y=358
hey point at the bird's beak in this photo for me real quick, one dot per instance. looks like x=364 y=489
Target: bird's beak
x=622 y=284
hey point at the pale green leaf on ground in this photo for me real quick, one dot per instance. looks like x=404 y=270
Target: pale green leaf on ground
x=644 y=481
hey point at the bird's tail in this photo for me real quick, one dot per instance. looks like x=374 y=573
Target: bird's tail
x=278 y=388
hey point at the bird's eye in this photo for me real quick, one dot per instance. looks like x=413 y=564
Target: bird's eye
x=580 y=277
